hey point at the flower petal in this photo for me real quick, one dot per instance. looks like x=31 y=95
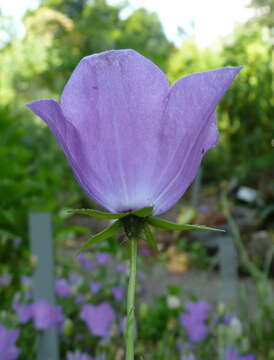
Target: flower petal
x=189 y=131
x=116 y=100
x=68 y=138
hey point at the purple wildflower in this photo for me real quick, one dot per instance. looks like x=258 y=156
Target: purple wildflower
x=102 y=258
x=80 y=299
x=95 y=286
x=8 y=349
x=121 y=268
x=85 y=262
x=99 y=319
x=193 y=320
x=75 y=279
x=78 y=356
x=24 y=313
x=232 y=354
x=168 y=129
x=5 y=279
x=118 y=292
x=188 y=357
x=46 y=315
x=62 y=288
x=26 y=281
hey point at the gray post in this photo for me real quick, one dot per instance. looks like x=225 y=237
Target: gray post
x=195 y=190
x=228 y=261
x=43 y=281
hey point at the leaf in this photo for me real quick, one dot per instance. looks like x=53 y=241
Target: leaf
x=106 y=233
x=99 y=214
x=168 y=225
x=150 y=237
x=144 y=212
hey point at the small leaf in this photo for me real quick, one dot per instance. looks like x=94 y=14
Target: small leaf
x=149 y=237
x=108 y=232
x=168 y=225
x=146 y=211
x=99 y=214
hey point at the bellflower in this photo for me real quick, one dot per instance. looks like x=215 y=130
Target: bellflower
x=62 y=288
x=99 y=319
x=102 y=258
x=131 y=139
x=95 y=286
x=232 y=354
x=118 y=292
x=45 y=315
x=8 y=349
x=194 y=320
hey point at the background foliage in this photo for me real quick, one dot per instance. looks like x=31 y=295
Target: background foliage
x=34 y=172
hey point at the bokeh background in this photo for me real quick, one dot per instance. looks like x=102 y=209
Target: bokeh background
x=40 y=44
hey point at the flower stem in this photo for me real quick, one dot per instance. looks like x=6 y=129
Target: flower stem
x=130 y=327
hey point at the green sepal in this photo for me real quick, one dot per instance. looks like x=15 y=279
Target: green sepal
x=144 y=212
x=168 y=225
x=106 y=233
x=149 y=236
x=98 y=214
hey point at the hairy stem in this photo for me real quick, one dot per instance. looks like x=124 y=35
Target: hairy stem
x=130 y=327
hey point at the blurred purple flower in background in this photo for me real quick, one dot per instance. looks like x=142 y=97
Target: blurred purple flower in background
x=118 y=292
x=80 y=299
x=121 y=268
x=99 y=319
x=24 y=313
x=168 y=130
x=232 y=354
x=75 y=279
x=102 y=258
x=62 y=288
x=5 y=279
x=85 y=262
x=45 y=315
x=8 y=349
x=95 y=286
x=26 y=280
x=78 y=356
x=188 y=357
x=194 y=320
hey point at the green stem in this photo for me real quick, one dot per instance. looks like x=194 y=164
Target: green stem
x=130 y=327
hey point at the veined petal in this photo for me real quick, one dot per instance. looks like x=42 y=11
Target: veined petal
x=188 y=132
x=116 y=100
x=70 y=141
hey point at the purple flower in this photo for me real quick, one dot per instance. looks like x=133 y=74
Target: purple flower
x=46 y=315
x=121 y=268
x=24 y=313
x=168 y=130
x=85 y=262
x=95 y=286
x=198 y=309
x=78 y=356
x=232 y=354
x=80 y=299
x=8 y=349
x=188 y=357
x=99 y=319
x=5 y=279
x=26 y=280
x=75 y=279
x=102 y=258
x=193 y=320
x=62 y=288
x=118 y=292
